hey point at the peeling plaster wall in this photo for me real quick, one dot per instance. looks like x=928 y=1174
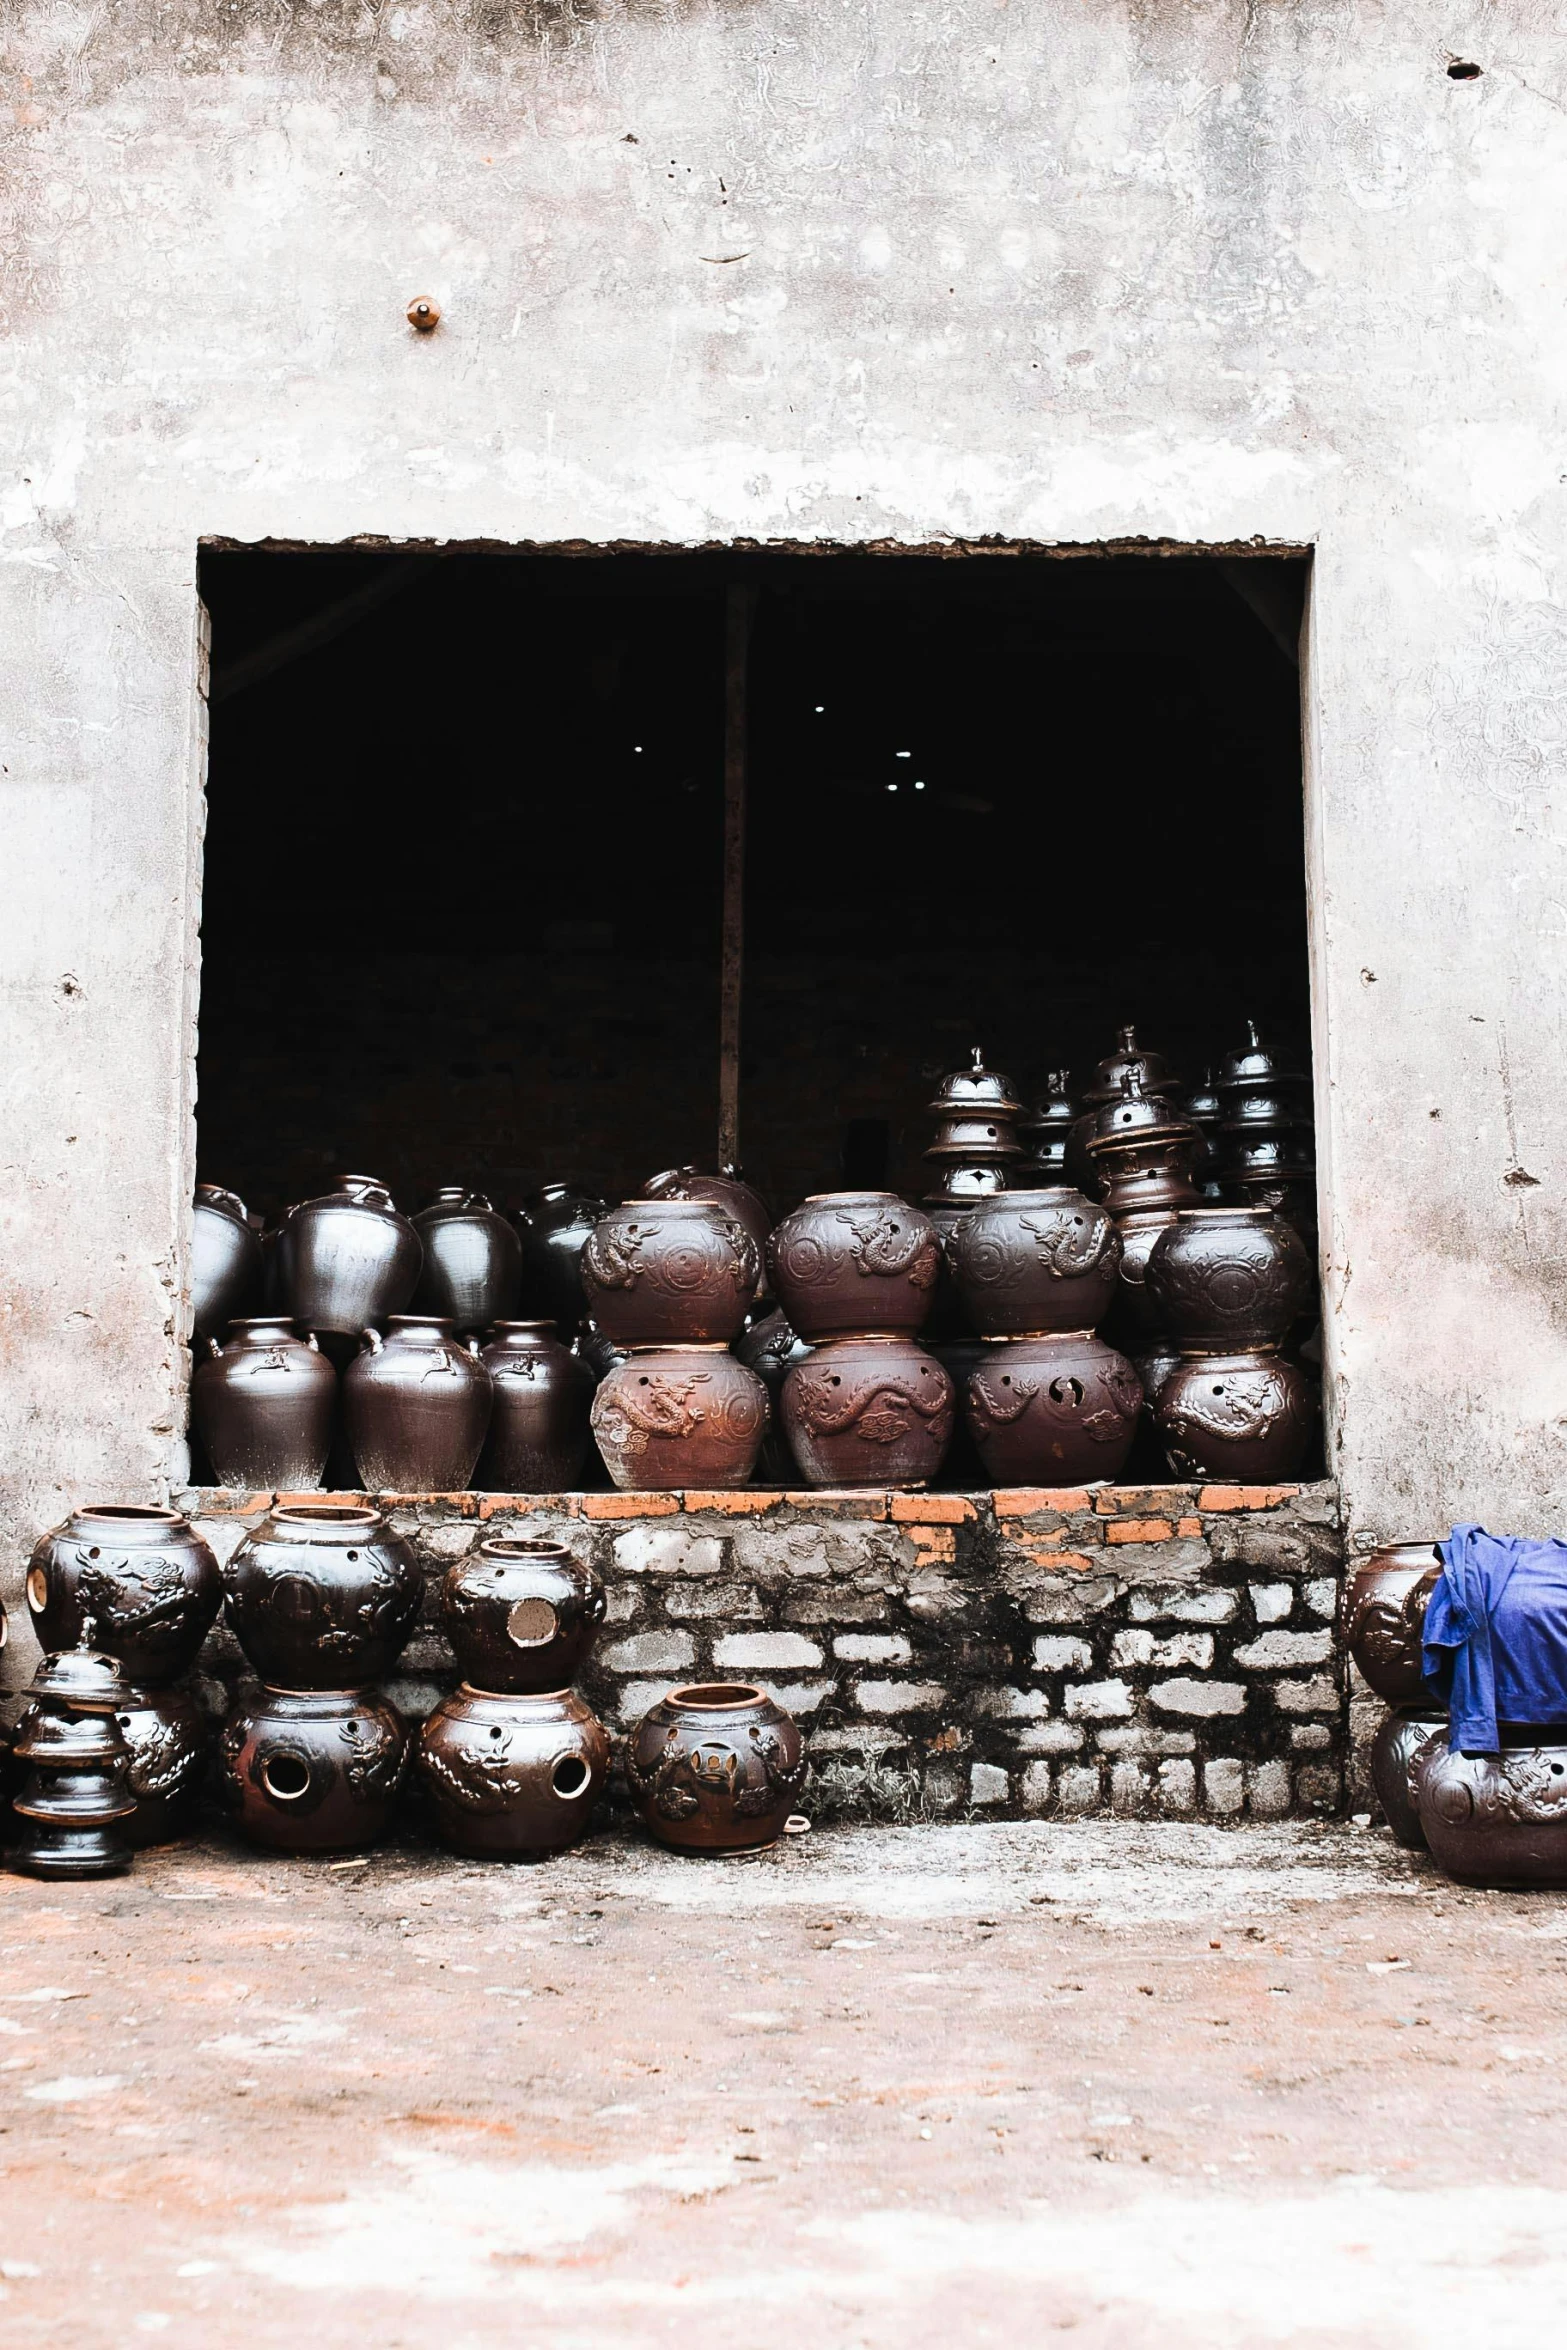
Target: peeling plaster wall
x=1050 y=270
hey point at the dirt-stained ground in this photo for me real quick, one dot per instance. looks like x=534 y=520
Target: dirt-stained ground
x=909 y=2087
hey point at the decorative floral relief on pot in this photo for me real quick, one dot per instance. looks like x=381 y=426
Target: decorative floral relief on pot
x=716 y=1768
x=849 y=1262
x=1247 y=1418
x=670 y=1272
x=868 y=1411
x=1029 y=1261
x=137 y=1582
x=513 y=1777
x=674 y=1416
x=1059 y=1410
x=1382 y=1616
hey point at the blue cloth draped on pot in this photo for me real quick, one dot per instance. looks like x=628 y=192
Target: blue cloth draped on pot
x=1495 y=1639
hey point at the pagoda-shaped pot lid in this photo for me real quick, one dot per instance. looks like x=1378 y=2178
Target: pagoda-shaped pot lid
x=975 y=1090
x=1152 y=1071
x=1137 y=1116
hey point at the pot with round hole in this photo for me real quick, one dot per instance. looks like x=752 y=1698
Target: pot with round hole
x=417 y=1407
x=728 y=1191
x=347 y=1260
x=717 y=1767
x=670 y=1272
x=669 y=1417
x=1028 y=1262
x=1382 y=1613
x=874 y=1411
x=1054 y=1410
x=522 y=1616
x=1499 y=1819
x=472 y=1270
x=263 y=1405
x=553 y=1225
x=225 y=1261
x=322 y=1595
x=1045 y=1133
x=1402 y=1733
x=168 y=1738
x=513 y=1778
x=1243 y=1418
x=73 y=1805
x=1226 y=1278
x=846 y=1262
x=541 y=1396
x=311 y=1770
x=135 y=1581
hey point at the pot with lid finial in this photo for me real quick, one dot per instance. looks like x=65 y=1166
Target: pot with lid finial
x=978 y=1114
x=962 y=1092
x=1044 y=1134
x=1154 y=1076
x=1142 y=1149
x=1255 y=1090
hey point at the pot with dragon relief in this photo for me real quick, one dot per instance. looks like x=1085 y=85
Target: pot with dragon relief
x=513 y=1778
x=715 y=1768
x=1056 y=1410
x=168 y=1736
x=263 y=1407
x=1394 y=1751
x=472 y=1270
x=1382 y=1613
x=322 y=1595
x=676 y=1416
x=848 y=1262
x=670 y=1272
x=312 y=1770
x=538 y=1440
x=138 y=1583
x=521 y=1616
x=727 y=1191
x=417 y=1408
x=1027 y=1262
x=1243 y=1418
x=1497 y=1819
x=1227 y=1278
x=868 y=1411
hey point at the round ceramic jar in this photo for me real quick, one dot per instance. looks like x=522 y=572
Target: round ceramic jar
x=716 y=1768
x=541 y=1395
x=225 y=1261
x=138 y=1583
x=1245 y=1418
x=472 y=1270
x=1382 y=1615
x=263 y=1406
x=513 y=1778
x=522 y=1616
x=322 y=1595
x=168 y=1738
x=1060 y=1410
x=312 y=1770
x=417 y=1408
x=1496 y=1819
x=347 y=1260
x=868 y=1411
x=1026 y=1262
x=851 y=1262
x=1399 y=1739
x=670 y=1272
x=669 y=1417
x=1228 y=1278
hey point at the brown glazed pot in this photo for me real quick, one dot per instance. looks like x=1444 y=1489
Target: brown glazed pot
x=728 y=1192
x=542 y=1392
x=670 y=1272
x=1153 y=1362
x=553 y=1225
x=263 y=1407
x=312 y=1770
x=676 y=1416
x=848 y=1262
x=716 y=1768
x=472 y=1270
x=168 y=1737
x=868 y=1411
x=346 y=1260
x=521 y=1616
x=1060 y=1410
x=1245 y=1418
x=1026 y=1262
x=1382 y=1613
x=138 y=1583
x=1496 y=1819
x=1393 y=1750
x=225 y=1261
x=322 y=1595
x=771 y=1348
x=1045 y=1135
x=74 y=1803
x=417 y=1408
x=513 y=1778
x=1227 y=1278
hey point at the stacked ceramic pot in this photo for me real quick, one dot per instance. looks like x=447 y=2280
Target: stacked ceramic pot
x=513 y=1760
x=1150 y=1070
x=1048 y=1402
x=1203 y=1107
x=140 y=1586
x=1142 y=1149
x=225 y=1264
x=416 y=1405
x=541 y=1394
x=553 y=1225
x=670 y=1281
x=974 y=1146
x=75 y=1805
x=343 y=1263
x=1228 y=1284
x=471 y=1274
x=1264 y=1138
x=321 y=1598
x=1381 y=1620
x=716 y=1768
x=727 y=1191
x=855 y=1273
x=265 y=1405
x=1045 y=1133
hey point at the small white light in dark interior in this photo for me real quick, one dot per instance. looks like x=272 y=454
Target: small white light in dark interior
x=820 y=707
x=636 y=746
x=903 y=754
x=919 y=787
x=892 y=787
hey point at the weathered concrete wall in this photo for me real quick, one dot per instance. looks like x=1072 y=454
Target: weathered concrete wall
x=1213 y=272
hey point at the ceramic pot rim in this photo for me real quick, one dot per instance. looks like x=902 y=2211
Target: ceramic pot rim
x=1025 y=1193
x=265 y=1322
x=132 y=1513
x=514 y=1696
x=325 y=1517
x=859 y=1337
x=445 y=1323
x=521 y=1547
x=677 y=1346
x=1033 y=1337
x=684 y=1207
x=510 y=1323
x=367 y=1700
x=1206 y=1215
x=1234 y=1358
x=816 y=1199
x=715 y=1697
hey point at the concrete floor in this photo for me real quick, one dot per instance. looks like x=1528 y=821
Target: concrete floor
x=905 y=2087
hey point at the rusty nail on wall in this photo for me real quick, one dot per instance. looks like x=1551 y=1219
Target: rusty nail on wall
x=423 y=314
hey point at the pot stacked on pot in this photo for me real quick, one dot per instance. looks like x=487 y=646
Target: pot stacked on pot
x=321 y=1597
x=855 y=1273
x=975 y=1146
x=1228 y=1284
x=1264 y=1136
x=1381 y=1617
x=1045 y=1133
x=139 y=1587
x=512 y=1759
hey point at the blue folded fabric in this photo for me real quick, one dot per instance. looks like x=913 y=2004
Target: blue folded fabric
x=1494 y=1646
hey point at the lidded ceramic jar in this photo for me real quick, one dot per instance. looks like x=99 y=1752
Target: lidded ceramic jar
x=848 y=1262
x=1033 y=1261
x=74 y=1802
x=263 y=1406
x=346 y=1261
x=977 y=1114
x=1496 y=1819
x=1152 y=1075
x=669 y=1417
x=417 y=1408
x=1243 y=1418
x=225 y=1260
x=472 y=1270
x=670 y=1272
x=521 y=1616
x=1056 y=1410
x=322 y=1595
x=1254 y=1090
x=1227 y=1278
x=1382 y=1613
x=137 y=1582
x=727 y=1191
x=1045 y=1133
x=718 y=1767
x=312 y=1770
x=873 y=1410
x=513 y=1778
x=553 y=1225
x=539 y=1438
x=1143 y=1150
